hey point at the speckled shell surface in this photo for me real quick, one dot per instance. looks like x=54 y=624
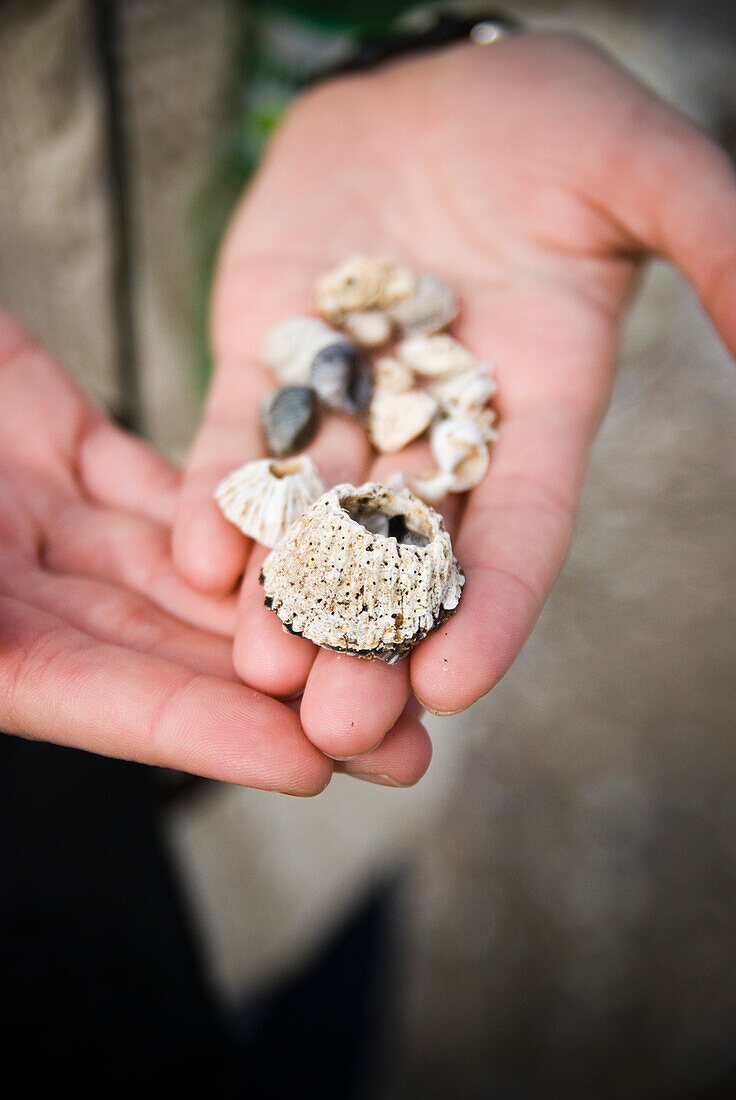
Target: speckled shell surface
x=368 y=571
x=263 y=498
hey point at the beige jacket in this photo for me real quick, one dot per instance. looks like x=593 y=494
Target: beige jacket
x=73 y=166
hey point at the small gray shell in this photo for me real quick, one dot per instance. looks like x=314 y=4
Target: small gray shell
x=342 y=378
x=288 y=419
x=368 y=571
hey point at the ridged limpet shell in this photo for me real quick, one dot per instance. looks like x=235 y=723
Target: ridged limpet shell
x=263 y=498
x=368 y=571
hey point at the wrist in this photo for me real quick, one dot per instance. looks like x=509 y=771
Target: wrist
x=423 y=32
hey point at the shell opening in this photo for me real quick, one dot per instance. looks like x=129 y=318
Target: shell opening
x=285 y=469
x=390 y=526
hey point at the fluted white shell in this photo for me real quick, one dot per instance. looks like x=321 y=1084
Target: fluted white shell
x=368 y=327
x=459 y=449
x=484 y=418
x=428 y=309
x=394 y=419
x=361 y=283
x=432 y=490
x=291 y=347
x=435 y=356
x=340 y=579
x=263 y=498
x=461 y=392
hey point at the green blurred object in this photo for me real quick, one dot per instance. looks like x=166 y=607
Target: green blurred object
x=359 y=15
x=281 y=46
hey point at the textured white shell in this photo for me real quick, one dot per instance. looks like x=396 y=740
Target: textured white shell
x=459 y=449
x=370 y=327
x=461 y=392
x=291 y=347
x=428 y=309
x=361 y=283
x=435 y=356
x=346 y=584
x=263 y=498
x=394 y=419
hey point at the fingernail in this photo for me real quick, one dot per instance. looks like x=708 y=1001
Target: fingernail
x=375 y=777
x=440 y=713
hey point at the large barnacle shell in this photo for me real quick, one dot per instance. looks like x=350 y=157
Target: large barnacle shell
x=428 y=309
x=368 y=571
x=459 y=449
x=435 y=356
x=292 y=346
x=361 y=283
x=394 y=419
x=263 y=498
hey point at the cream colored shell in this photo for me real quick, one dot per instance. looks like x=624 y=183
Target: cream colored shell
x=435 y=356
x=263 y=498
x=367 y=570
x=292 y=346
x=370 y=327
x=362 y=283
x=394 y=419
x=391 y=376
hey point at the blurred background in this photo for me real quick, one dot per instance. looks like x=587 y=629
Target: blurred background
x=556 y=899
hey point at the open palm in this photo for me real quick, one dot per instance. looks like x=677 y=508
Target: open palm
x=102 y=646
x=534 y=176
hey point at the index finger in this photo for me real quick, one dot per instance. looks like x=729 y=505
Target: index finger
x=59 y=684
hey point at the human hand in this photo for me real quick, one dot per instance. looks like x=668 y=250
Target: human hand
x=102 y=646
x=535 y=176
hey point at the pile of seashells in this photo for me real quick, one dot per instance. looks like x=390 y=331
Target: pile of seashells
x=367 y=570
